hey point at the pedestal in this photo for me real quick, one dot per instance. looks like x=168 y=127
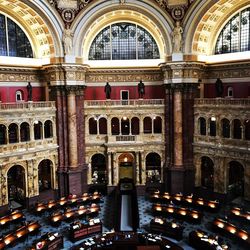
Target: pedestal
x=177 y=57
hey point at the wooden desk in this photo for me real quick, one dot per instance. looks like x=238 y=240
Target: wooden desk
x=231 y=230
x=201 y=240
x=170 y=229
x=13 y=217
x=48 y=241
x=189 y=215
x=78 y=230
x=240 y=214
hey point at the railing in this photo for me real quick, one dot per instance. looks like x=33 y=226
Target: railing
x=125 y=138
x=222 y=101
x=26 y=105
x=29 y=145
x=135 y=102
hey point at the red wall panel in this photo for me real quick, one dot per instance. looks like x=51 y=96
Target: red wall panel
x=8 y=94
x=240 y=90
x=97 y=93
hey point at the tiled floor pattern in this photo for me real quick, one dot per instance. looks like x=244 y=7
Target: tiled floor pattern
x=107 y=216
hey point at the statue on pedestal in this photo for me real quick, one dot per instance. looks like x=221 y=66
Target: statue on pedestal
x=219 y=87
x=107 y=90
x=141 y=89
x=29 y=89
x=67 y=41
x=177 y=38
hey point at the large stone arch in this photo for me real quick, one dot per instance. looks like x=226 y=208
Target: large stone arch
x=101 y=13
x=204 y=22
x=43 y=31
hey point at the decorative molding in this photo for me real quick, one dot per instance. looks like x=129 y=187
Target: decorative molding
x=177 y=9
x=20 y=75
x=69 y=9
x=124 y=76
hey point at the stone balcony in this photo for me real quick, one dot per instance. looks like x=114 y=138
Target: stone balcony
x=124 y=103
x=25 y=106
x=116 y=140
x=220 y=103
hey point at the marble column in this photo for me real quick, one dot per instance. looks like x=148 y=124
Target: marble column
x=109 y=169
x=143 y=169
x=247 y=181
x=178 y=144
x=72 y=128
x=137 y=170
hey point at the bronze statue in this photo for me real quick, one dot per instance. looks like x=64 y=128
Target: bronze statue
x=141 y=89
x=29 y=89
x=219 y=87
x=107 y=90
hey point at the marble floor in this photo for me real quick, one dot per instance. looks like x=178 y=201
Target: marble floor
x=107 y=215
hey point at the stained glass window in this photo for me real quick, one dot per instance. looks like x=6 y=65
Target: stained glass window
x=13 y=41
x=123 y=41
x=235 y=36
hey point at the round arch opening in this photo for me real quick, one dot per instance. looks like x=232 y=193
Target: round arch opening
x=207 y=173
x=45 y=180
x=16 y=186
x=126 y=169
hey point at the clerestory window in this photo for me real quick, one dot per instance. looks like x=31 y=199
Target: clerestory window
x=235 y=36
x=123 y=41
x=13 y=41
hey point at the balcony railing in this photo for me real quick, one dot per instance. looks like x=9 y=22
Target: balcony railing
x=222 y=101
x=134 y=102
x=26 y=105
x=125 y=138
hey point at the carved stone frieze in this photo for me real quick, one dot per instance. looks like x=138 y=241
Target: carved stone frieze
x=232 y=70
x=124 y=76
x=20 y=75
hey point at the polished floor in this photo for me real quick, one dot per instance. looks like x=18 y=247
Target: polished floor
x=108 y=213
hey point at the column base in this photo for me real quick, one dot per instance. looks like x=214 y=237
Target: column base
x=75 y=181
x=180 y=180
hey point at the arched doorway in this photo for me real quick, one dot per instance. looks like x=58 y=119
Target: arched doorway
x=153 y=168
x=98 y=166
x=16 y=186
x=45 y=175
x=207 y=173
x=236 y=179
x=126 y=163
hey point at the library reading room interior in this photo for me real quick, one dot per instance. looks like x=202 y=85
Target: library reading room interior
x=125 y=124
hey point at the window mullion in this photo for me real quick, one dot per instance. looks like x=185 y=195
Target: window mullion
x=7 y=36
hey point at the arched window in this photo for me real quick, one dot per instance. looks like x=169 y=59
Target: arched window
x=38 y=130
x=48 y=129
x=135 y=126
x=125 y=126
x=157 y=125
x=3 y=132
x=19 y=95
x=147 y=125
x=230 y=92
x=237 y=129
x=225 y=125
x=115 y=130
x=25 y=131
x=212 y=126
x=102 y=126
x=13 y=133
x=13 y=41
x=202 y=125
x=93 y=126
x=123 y=41
x=235 y=36
x=247 y=129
